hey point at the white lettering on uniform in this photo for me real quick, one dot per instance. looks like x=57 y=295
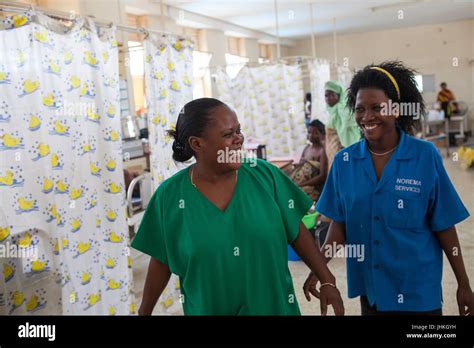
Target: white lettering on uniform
x=401 y=182
x=409 y=181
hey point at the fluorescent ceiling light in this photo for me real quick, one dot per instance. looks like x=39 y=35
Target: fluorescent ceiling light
x=192 y=24
x=397 y=5
x=235 y=34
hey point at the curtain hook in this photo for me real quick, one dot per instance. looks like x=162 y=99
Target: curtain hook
x=143 y=31
x=32 y=10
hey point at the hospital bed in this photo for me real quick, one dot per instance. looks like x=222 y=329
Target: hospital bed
x=136 y=205
x=433 y=120
x=460 y=119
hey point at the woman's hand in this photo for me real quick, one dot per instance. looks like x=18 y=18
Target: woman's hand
x=329 y=295
x=465 y=298
x=310 y=286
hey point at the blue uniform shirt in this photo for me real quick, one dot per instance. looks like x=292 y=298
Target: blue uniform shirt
x=394 y=222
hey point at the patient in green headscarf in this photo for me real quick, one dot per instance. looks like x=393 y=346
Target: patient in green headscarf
x=341 y=128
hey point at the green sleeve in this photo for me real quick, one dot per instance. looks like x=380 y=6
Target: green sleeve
x=150 y=238
x=292 y=201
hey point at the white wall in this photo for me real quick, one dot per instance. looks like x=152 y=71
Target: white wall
x=430 y=49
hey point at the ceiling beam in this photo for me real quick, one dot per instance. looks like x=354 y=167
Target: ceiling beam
x=218 y=24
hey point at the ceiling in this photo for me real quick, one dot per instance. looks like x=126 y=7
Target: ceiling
x=350 y=15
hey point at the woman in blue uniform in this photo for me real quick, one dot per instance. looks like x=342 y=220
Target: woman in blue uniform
x=390 y=197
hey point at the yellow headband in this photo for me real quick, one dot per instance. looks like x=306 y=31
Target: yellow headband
x=395 y=84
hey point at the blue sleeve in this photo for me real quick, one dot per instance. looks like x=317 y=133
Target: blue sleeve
x=329 y=203
x=446 y=208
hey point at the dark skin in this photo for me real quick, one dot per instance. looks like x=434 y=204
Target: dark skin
x=331 y=97
x=315 y=152
x=216 y=181
x=381 y=139
x=384 y=137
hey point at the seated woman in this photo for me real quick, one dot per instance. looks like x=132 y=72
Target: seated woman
x=310 y=173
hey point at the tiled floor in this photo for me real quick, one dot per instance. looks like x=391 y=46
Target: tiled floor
x=462 y=179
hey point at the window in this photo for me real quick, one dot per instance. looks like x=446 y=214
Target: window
x=135 y=51
x=194 y=35
x=419 y=83
x=265 y=52
x=202 y=78
x=235 y=46
x=136 y=58
x=234 y=64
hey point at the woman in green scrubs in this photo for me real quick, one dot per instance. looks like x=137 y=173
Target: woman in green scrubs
x=223 y=226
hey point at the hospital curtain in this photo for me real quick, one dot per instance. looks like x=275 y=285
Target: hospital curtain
x=269 y=103
x=344 y=75
x=319 y=74
x=168 y=87
x=61 y=180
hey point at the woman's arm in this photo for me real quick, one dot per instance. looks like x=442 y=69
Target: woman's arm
x=156 y=279
x=336 y=236
x=306 y=248
x=448 y=239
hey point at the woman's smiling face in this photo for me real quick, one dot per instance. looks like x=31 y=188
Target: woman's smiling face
x=368 y=114
x=222 y=133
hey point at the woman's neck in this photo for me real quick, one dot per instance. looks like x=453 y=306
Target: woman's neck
x=385 y=143
x=211 y=175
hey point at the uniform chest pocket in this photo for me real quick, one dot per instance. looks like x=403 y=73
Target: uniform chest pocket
x=407 y=211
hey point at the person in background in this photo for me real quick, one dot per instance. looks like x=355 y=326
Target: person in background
x=307 y=109
x=341 y=128
x=310 y=173
x=447 y=100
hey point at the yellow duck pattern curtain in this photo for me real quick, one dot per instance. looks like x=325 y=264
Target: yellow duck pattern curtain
x=168 y=87
x=61 y=178
x=269 y=102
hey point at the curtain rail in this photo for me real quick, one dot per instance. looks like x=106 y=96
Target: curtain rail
x=282 y=60
x=19 y=8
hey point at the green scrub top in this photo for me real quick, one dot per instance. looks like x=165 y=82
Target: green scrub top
x=232 y=262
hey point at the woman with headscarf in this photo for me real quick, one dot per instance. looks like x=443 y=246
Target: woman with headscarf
x=341 y=128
